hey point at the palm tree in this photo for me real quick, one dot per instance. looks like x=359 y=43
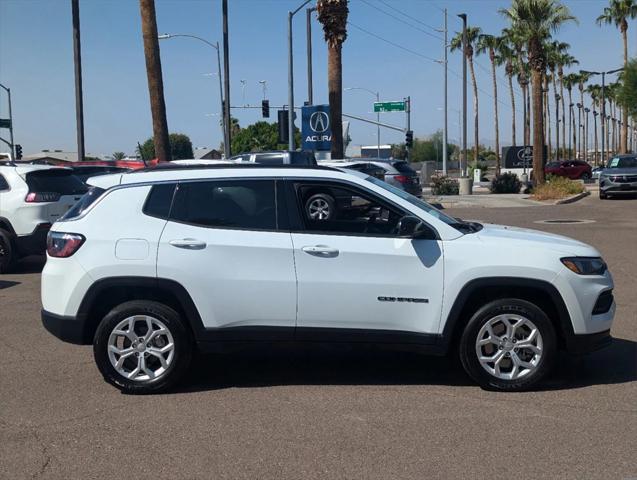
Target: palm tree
x=516 y=45
x=535 y=20
x=583 y=77
x=595 y=92
x=492 y=44
x=118 y=155
x=547 y=114
x=456 y=44
x=506 y=57
x=155 y=82
x=570 y=81
x=556 y=52
x=564 y=60
x=619 y=12
x=333 y=16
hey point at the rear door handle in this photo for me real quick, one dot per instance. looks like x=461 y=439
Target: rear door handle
x=188 y=244
x=321 y=251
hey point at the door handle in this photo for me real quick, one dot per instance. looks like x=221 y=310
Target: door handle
x=188 y=244
x=321 y=251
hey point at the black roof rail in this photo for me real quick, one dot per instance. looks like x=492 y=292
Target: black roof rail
x=220 y=166
x=9 y=163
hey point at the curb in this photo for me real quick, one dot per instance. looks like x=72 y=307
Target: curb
x=573 y=198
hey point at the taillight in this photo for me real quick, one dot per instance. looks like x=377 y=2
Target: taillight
x=41 y=197
x=62 y=245
x=402 y=179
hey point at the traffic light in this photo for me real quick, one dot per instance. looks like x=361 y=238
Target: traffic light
x=283 y=117
x=409 y=138
x=18 y=152
x=265 y=108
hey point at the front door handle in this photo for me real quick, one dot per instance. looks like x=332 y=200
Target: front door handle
x=188 y=244
x=321 y=251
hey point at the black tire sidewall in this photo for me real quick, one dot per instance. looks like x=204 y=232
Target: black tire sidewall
x=8 y=259
x=524 y=308
x=170 y=318
x=323 y=196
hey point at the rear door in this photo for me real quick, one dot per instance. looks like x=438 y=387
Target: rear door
x=224 y=243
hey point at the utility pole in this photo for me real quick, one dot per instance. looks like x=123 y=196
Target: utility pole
x=226 y=79
x=408 y=111
x=444 y=126
x=10 y=143
x=308 y=21
x=77 y=61
x=463 y=165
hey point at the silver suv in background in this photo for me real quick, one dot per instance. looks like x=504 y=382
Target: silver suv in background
x=619 y=177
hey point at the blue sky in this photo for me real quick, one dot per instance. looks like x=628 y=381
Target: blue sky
x=36 y=62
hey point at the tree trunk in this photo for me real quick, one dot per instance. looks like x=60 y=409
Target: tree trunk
x=475 y=112
x=155 y=82
x=538 y=127
x=547 y=118
x=571 y=126
x=495 y=105
x=335 y=87
x=512 y=108
x=623 y=147
x=557 y=120
x=563 y=116
x=595 y=140
x=528 y=115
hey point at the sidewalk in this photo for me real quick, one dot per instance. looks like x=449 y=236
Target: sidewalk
x=486 y=200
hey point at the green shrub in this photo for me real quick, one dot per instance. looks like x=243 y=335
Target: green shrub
x=483 y=166
x=557 y=187
x=444 y=185
x=506 y=183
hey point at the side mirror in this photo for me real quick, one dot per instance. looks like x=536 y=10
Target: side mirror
x=411 y=226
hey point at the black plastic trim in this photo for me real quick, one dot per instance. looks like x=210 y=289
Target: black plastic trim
x=67 y=329
x=581 y=344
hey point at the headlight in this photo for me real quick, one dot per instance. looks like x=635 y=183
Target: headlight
x=585 y=265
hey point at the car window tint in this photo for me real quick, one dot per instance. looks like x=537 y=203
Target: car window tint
x=269 y=159
x=246 y=204
x=3 y=183
x=404 y=167
x=83 y=203
x=159 y=200
x=55 y=181
x=334 y=208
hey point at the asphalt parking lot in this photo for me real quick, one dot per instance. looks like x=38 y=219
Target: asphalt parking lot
x=326 y=413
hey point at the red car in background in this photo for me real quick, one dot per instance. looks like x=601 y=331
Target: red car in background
x=573 y=169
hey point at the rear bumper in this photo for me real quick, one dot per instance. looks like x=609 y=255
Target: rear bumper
x=580 y=344
x=67 y=329
x=34 y=243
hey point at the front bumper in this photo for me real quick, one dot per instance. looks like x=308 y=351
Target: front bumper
x=608 y=186
x=67 y=329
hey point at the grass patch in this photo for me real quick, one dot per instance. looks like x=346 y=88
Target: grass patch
x=556 y=188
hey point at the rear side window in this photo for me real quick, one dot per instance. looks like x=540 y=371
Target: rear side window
x=3 y=184
x=404 y=167
x=83 y=203
x=62 y=182
x=159 y=200
x=245 y=204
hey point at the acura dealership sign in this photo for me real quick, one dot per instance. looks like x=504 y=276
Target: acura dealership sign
x=315 y=128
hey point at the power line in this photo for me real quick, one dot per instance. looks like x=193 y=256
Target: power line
x=413 y=52
x=403 y=21
x=410 y=17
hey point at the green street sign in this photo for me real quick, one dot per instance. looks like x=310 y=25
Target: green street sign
x=5 y=123
x=389 y=107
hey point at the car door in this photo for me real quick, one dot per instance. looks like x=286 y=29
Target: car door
x=223 y=244
x=355 y=274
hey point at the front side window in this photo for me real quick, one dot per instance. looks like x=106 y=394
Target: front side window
x=244 y=204
x=335 y=208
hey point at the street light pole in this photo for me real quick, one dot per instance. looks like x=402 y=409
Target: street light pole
x=463 y=166
x=216 y=47
x=227 y=141
x=291 y=14
x=77 y=57
x=12 y=145
x=308 y=22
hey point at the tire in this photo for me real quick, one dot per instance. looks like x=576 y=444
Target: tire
x=166 y=373
x=7 y=252
x=537 y=354
x=320 y=207
x=585 y=176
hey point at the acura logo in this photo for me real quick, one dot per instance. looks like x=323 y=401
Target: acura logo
x=319 y=122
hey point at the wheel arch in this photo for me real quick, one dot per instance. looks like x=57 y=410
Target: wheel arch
x=5 y=224
x=479 y=292
x=107 y=293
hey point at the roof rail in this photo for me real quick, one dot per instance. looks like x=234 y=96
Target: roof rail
x=9 y=163
x=168 y=166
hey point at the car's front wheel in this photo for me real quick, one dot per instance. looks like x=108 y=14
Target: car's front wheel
x=142 y=347
x=508 y=345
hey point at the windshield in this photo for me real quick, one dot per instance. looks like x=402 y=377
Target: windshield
x=421 y=204
x=622 y=162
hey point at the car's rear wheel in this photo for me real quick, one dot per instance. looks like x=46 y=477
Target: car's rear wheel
x=320 y=207
x=586 y=176
x=142 y=347
x=7 y=252
x=508 y=345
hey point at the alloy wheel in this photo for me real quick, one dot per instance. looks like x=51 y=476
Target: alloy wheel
x=141 y=348
x=318 y=209
x=509 y=346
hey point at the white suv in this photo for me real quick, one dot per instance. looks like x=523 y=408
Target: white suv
x=152 y=265
x=32 y=197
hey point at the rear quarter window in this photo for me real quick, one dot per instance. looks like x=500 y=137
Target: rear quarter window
x=83 y=203
x=62 y=182
x=159 y=201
